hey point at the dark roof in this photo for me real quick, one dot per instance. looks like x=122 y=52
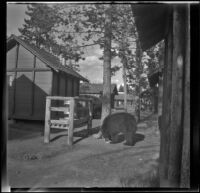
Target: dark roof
x=49 y=59
x=121 y=97
x=95 y=88
x=152 y=22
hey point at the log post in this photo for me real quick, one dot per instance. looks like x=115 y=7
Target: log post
x=176 y=129
x=71 y=121
x=89 y=126
x=47 y=121
x=165 y=119
x=185 y=164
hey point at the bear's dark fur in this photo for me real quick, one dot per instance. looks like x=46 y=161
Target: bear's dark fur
x=119 y=123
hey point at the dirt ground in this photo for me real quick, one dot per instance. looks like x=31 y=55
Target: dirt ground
x=89 y=162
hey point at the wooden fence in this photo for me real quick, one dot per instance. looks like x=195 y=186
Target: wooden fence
x=69 y=112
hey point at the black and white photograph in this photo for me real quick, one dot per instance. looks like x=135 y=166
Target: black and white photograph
x=98 y=95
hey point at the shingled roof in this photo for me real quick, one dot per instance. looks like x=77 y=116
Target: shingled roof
x=95 y=88
x=49 y=59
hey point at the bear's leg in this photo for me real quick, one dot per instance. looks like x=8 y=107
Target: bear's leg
x=114 y=138
x=129 y=137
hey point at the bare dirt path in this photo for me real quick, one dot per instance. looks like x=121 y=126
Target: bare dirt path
x=89 y=162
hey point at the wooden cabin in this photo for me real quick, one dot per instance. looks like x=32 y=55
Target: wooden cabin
x=97 y=91
x=171 y=23
x=33 y=74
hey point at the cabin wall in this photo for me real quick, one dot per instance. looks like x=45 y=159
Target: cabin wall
x=65 y=85
x=76 y=87
x=29 y=82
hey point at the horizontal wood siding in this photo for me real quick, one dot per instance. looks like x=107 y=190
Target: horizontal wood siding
x=23 y=93
x=41 y=90
x=11 y=58
x=25 y=58
x=40 y=64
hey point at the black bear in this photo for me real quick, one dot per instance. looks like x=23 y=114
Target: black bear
x=119 y=123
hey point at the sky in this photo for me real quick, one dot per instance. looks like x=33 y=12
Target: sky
x=91 y=67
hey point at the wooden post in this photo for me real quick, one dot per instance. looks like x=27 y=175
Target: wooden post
x=176 y=129
x=185 y=164
x=33 y=86
x=71 y=121
x=47 y=121
x=165 y=120
x=89 y=126
x=15 y=79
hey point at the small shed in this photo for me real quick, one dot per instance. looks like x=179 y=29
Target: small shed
x=97 y=91
x=33 y=74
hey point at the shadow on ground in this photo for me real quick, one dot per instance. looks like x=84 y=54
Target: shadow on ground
x=137 y=137
x=82 y=134
x=29 y=129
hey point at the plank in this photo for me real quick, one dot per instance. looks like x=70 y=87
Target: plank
x=60 y=109
x=47 y=118
x=71 y=122
x=62 y=121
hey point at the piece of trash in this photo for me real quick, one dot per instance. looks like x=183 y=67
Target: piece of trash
x=140 y=159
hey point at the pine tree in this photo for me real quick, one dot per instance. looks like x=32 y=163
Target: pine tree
x=39 y=27
x=42 y=30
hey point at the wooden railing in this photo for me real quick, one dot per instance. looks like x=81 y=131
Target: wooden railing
x=75 y=111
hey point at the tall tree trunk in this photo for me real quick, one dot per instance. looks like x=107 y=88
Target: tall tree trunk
x=106 y=98
x=125 y=85
x=138 y=60
x=139 y=102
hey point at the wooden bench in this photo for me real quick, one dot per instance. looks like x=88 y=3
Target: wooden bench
x=76 y=111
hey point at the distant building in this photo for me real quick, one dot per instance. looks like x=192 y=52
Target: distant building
x=97 y=90
x=119 y=101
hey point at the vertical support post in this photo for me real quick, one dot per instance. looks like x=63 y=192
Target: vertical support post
x=89 y=126
x=47 y=121
x=185 y=164
x=176 y=129
x=165 y=120
x=15 y=79
x=71 y=121
x=33 y=86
